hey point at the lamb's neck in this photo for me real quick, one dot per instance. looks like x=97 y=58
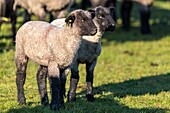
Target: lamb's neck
x=70 y=32
x=95 y=38
x=72 y=37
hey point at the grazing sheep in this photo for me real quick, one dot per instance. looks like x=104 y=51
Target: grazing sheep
x=89 y=51
x=54 y=49
x=58 y=8
x=8 y=14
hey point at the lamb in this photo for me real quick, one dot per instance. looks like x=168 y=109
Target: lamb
x=89 y=51
x=54 y=49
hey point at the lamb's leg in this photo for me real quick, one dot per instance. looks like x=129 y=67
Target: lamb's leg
x=21 y=65
x=63 y=83
x=73 y=83
x=55 y=85
x=41 y=81
x=89 y=80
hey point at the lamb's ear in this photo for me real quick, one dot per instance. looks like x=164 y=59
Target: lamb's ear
x=92 y=12
x=70 y=20
x=112 y=9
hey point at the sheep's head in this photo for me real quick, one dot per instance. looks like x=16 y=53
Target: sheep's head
x=103 y=18
x=81 y=22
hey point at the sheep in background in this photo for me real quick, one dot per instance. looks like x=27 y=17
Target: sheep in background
x=89 y=50
x=54 y=49
x=144 y=11
x=57 y=8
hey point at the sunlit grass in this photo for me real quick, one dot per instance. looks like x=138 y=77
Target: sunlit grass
x=132 y=74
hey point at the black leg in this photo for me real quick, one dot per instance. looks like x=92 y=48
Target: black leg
x=51 y=17
x=21 y=65
x=144 y=18
x=89 y=79
x=63 y=75
x=125 y=14
x=55 y=84
x=27 y=16
x=41 y=81
x=20 y=81
x=73 y=85
x=73 y=82
x=13 y=19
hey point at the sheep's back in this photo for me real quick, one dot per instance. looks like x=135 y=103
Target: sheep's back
x=54 y=4
x=43 y=42
x=32 y=36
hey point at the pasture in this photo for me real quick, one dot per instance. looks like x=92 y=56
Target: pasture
x=132 y=74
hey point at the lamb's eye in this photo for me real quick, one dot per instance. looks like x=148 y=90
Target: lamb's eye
x=82 y=20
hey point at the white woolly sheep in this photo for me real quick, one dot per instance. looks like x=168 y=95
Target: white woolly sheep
x=54 y=49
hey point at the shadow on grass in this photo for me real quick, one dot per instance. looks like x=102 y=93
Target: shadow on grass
x=99 y=106
x=106 y=103
x=29 y=109
x=151 y=85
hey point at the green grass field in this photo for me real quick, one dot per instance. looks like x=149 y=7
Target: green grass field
x=132 y=74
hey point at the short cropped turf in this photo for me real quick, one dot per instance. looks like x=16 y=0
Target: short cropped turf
x=132 y=74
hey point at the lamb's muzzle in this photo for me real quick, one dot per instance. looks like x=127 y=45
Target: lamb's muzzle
x=111 y=28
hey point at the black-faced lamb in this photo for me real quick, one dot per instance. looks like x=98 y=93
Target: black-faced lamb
x=89 y=51
x=54 y=49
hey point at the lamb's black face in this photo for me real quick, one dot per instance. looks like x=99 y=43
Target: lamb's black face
x=104 y=18
x=83 y=22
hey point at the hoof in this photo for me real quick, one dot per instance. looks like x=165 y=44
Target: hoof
x=90 y=98
x=56 y=106
x=44 y=101
x=22 y=101
x=71 y=98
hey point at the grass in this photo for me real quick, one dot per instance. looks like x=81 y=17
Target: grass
x=132 y=74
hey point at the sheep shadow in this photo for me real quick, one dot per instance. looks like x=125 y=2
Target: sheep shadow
x=113 y=108
x=145 y=85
